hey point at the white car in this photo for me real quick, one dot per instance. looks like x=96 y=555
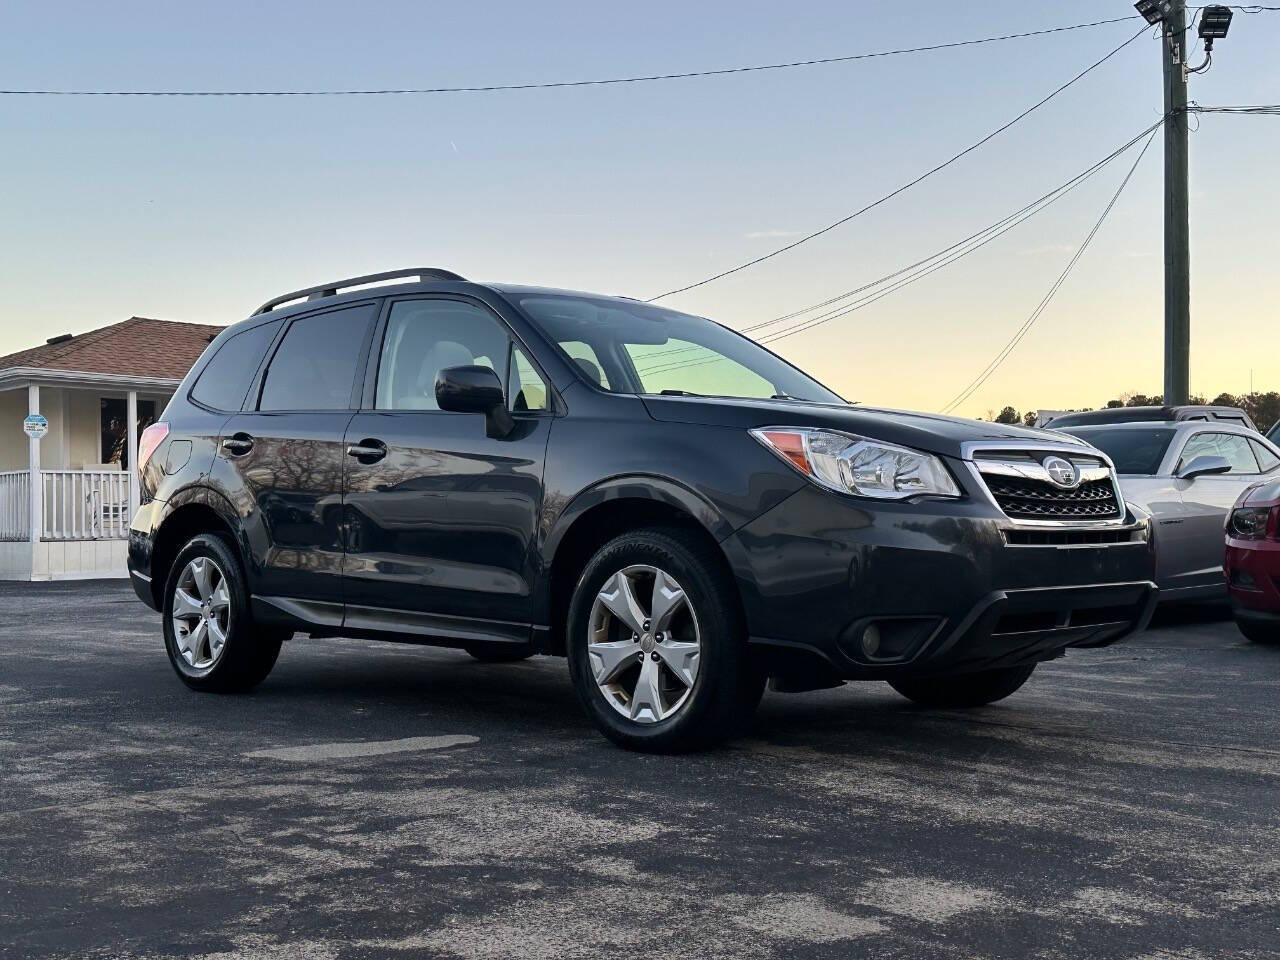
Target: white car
x=1187 y=475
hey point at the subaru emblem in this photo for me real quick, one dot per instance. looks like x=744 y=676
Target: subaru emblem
x=1061 y=472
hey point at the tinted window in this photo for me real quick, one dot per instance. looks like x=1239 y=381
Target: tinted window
x=1133 y=451
x=648 y=349
x=424 y=337
x=1267 y=460
x=1235 y=450
x=224 y=382
x=314 y=367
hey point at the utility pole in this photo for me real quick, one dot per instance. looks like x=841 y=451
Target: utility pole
x=1177 y=253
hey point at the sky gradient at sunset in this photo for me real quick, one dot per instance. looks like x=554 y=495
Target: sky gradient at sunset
x=198 y=209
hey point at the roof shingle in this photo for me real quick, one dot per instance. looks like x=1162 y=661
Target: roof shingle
x=137 y=347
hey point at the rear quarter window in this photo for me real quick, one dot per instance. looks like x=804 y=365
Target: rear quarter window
x=223 y=383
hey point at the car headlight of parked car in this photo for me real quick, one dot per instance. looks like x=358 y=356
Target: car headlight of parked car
x=866 y=468
x=1250 y=523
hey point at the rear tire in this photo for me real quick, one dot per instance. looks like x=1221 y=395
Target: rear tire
x=209 y=632
x=964 y=689
x=680 y=677
x=499 y=652
x=1266 y=634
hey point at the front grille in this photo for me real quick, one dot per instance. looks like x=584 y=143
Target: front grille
x=1020 y=484
x=1037 y=500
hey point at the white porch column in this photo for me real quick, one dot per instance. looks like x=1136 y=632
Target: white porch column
x=33 y=454
x=135 y=492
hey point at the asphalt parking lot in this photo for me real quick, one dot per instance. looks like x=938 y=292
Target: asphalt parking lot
x=378 y=800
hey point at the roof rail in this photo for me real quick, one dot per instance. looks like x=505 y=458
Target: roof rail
x=424 y=274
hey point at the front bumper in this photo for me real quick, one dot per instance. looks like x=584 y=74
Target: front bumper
x=949 y=586
x=1252 y=569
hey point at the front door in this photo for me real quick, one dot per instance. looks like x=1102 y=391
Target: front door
x=1207 y=499
x=441 y=520
x=287 y=448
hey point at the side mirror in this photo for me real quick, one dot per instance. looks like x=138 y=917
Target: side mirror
x=475 y=389
x=1204 y=466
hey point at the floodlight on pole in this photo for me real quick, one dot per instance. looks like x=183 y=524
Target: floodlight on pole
x=1153 y=11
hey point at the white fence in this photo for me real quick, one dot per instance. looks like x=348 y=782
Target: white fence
x=78 y=505
x=15 y=505
x=85 y=504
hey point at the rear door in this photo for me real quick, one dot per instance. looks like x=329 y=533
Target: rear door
x=441 y=523
x=287 y=449
x=1206 y=501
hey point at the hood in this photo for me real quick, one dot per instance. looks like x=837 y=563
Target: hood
x=929 y=432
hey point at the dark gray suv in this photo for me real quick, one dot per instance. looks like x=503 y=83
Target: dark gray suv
x=515 y=470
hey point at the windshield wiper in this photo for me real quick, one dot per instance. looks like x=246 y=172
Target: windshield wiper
x=679 y=393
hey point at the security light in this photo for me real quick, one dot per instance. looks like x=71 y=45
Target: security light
x=1152 y=10
x=1215 y=21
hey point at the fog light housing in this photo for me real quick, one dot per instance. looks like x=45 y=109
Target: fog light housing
x=871 y=641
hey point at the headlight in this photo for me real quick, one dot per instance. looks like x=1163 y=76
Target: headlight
x=1248 y=523
x=866 y=468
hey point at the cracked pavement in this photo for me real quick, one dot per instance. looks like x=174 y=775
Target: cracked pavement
x=376 y=800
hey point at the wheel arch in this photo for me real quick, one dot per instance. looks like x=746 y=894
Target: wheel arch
x=601 y=513
x=192 y=511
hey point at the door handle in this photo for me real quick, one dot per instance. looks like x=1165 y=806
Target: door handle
x=238 y=445
x=367 y=451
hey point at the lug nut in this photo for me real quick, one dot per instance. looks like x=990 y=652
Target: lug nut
x=646 y=626
x=635 y=638
x=655 y=657
x=658 y=637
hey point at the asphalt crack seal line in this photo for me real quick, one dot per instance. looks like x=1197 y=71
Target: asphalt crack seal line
x=367 y=748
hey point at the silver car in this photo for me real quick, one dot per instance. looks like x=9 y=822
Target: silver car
x=1187 y=475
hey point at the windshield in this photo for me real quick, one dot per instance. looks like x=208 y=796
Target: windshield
x=1132 y=450
x=636 y=348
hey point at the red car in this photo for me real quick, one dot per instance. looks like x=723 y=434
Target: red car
x=1253 y=562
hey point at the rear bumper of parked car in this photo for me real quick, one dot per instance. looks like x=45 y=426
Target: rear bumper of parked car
x=932 y=587
x=1253 y=579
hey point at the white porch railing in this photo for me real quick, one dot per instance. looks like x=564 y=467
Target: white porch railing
x=85 y=504
x=15 y=505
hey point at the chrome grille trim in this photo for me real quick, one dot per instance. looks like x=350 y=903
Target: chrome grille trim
x=1015 y=481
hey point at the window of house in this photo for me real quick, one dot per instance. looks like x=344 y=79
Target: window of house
x=224 y=382
x=314 y=367
x=113 y=422
x=424 y=337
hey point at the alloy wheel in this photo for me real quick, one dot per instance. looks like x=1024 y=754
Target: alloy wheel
x=644 y=644
x=201 y=613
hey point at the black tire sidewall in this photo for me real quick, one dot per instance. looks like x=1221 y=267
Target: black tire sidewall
x=721 y=689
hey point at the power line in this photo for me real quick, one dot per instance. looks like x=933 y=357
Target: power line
x=1008 y=349
x=915 y=271
x=1260 y=109
x=907 y=186
x=493 y=88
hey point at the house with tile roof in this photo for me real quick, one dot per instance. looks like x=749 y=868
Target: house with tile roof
x=71 y=411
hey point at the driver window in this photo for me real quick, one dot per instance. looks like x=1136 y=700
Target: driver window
x=424 y=337
x=1235 y=450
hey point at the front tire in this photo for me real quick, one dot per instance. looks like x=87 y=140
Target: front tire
x=964 y=689
x=209 y=633
x=657 y=644
x=1265 y=634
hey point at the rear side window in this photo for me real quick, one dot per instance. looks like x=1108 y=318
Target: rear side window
x=224 y=382
x=1267 y=460
x=314 y=367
